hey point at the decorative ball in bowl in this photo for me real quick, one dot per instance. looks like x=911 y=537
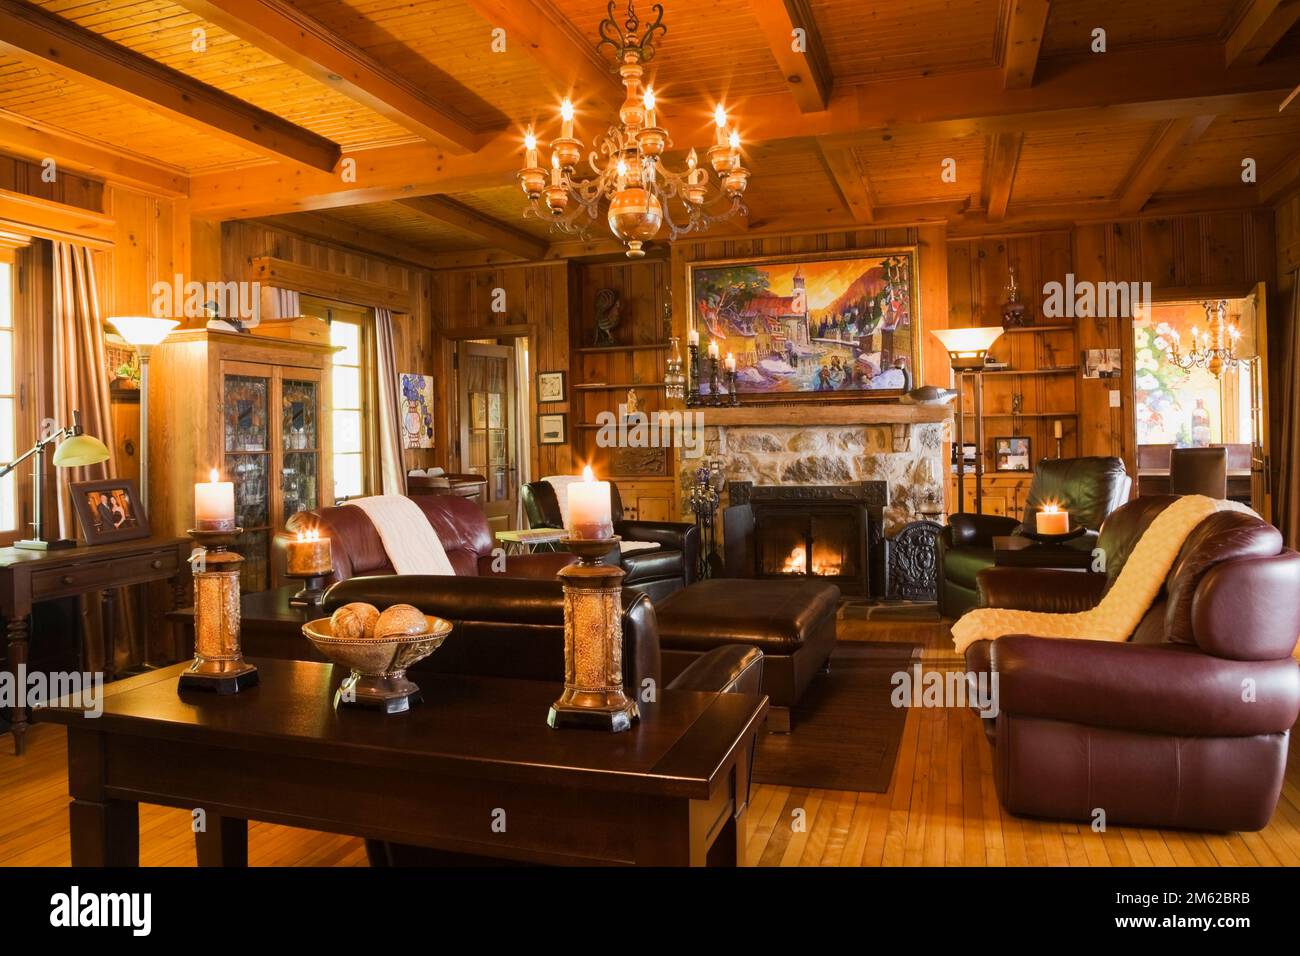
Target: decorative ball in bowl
x=377 y=647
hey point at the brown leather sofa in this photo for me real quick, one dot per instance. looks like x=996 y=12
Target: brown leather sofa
x=1186 y=724
x=460 y=523
x=515 y=629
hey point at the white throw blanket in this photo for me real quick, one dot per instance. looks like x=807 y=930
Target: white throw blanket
x=409 y=540
x=1128 y=599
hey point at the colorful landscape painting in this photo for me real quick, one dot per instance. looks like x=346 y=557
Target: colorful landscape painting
x=804 y=327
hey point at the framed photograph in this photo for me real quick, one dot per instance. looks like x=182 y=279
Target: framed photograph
x=1101 y=363
x=552 y=429
x=1012 y=454
x=823 y=327
x=970 y=451
x=109 y=510
x=415 y=410
x=550 y=386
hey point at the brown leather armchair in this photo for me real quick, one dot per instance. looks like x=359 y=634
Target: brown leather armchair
x=1184 y=725
x=515 y=629
x=658 y=571
x=1089 y=488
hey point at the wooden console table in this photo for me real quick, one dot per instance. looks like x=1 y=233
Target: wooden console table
x=27 y=577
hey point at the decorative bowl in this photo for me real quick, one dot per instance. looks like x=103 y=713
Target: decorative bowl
x=378 y=679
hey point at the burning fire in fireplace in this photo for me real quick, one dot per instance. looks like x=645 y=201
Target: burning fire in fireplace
x=797 y=563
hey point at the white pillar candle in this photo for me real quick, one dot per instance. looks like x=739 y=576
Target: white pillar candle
x=1052 y=520
x=589 y=508
x=713 y=348
x=693 y=337
x=214 y=504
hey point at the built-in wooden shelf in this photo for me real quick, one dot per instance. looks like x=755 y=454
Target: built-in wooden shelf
x=1028 y=329
x=1025 y=414
x=647 y=347
x=1062 y=370
x=616 y=387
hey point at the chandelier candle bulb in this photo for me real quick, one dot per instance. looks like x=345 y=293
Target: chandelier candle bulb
x=214 y=504
x=566 y=119
x=1052 y=520
x=589 y=508
x=720 y=121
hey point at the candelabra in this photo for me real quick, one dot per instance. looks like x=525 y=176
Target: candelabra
x=715 y=385
x=1213 y=349
x=693 y=374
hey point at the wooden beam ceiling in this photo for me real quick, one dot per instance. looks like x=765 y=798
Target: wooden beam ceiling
x=1259 y=30
x=559 y=48
x=1026 y=21
x=26 y=137
x=475 y=223
x=325 y=228
x=1000 y=162
x=806 y=70
x=850 y=180
x=46 y=219
x=299 y=41
x=56 y=44
x=1159 y=159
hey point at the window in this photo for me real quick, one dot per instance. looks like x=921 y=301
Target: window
x=348 y=437
x=8 y=401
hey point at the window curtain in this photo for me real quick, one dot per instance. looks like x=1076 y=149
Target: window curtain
x=1287 y=500
x=523 y=426
x=392 y=469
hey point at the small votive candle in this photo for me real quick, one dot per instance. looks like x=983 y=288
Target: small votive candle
x=1052 y=520
x=589 y=508
x=308 y=555
x=214 y=504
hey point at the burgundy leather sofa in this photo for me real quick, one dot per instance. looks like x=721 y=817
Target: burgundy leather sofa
x=1186 y=724
x=460 y=523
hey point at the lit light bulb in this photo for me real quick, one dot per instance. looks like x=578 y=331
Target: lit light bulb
x=649 y=102
x=530 y=145
x=691 y=159
x=734 y=140
x=566 y=114
x=720 y=120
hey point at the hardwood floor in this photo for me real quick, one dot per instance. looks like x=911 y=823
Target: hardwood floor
x=940 y=810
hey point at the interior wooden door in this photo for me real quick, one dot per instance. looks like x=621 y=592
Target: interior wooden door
x=488 y=446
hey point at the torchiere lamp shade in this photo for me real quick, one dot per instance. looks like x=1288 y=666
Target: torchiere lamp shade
x=80 y=450
x=968 y=346
x=143 y=330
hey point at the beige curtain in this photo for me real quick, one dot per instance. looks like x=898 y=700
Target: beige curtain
x=1287 y=500
x=523 y=425
x=392 y=468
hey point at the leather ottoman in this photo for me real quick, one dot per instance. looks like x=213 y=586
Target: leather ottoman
x=791 y=622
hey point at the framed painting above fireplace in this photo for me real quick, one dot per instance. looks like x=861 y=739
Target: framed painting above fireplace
x=842 y=326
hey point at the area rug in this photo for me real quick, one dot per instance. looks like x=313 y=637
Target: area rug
x=846 y=733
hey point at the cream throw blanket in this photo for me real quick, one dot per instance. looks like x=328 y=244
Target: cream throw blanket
x=411 y=543
x=1128 y=599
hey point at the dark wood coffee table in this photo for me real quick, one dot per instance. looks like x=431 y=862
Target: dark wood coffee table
x=1017 y=551
x=672 y=791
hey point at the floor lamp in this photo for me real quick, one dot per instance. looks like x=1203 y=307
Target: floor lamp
x=966 y=351
x=143 y=332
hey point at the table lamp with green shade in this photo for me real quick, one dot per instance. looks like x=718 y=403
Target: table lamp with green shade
x=75 y=449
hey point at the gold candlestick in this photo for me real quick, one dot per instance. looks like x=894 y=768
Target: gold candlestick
x=219 y=664
x=593 y=642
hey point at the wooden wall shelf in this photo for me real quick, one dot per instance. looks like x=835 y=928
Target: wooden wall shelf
x=1063 y=370
x=645 y=347
x=616 y=387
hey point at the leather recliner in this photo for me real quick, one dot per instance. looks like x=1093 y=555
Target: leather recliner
x=460 y=524
x=515 y=629
x=1184 y=725
x=1089 y=488
x=658 y=571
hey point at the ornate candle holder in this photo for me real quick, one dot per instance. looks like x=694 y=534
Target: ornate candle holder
x=715 y=385
x=219 y=665
x=732 y=397
x=593 y=642
x=693 y=377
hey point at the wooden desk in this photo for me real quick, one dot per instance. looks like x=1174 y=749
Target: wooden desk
x=27 y=577
x=672 y=791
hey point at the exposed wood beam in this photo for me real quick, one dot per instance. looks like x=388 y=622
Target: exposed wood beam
x=1259 y=30
x=807 y=71
x=567 y=57
x=46 y=219
x=324 y=228
x=22 y=136
x=1035 y=215
x=475 y=223
x=1000 y=162
x=1159 y=159
x=296 y=39
x=1026 y=20
x=850 y=180
x=63 y=47
x=1275 y=185
x=1122 y=86
x=283 y=274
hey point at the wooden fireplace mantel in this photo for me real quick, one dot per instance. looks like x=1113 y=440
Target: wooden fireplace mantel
x=880 y=413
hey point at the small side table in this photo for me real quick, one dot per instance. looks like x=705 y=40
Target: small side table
x=1016 y=551
x=527 y=541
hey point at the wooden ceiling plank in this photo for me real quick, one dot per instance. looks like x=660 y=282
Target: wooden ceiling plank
x=1003 y=157
x=26 y=137
x=1026 y=21
x=475 y=223
x=1159 y=159
x=299 y=41
x=850 y=180
x=559 y=48
x=807 y=71
x=63 y=47
x=1259 y=30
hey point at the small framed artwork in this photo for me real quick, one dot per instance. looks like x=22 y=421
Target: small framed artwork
x=552 y=429
x=1012 y=454
x=969 y=453
x=550 y=386
x=1101 y=363
x=109 y=510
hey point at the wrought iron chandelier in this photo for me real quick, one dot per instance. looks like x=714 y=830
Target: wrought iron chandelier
x=1213 y=348
x=628 y=161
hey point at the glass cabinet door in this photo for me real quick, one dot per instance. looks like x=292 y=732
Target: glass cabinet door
x=246 y=427
x=300 y=444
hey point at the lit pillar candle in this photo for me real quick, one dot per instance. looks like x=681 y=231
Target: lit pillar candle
x=1052 y=520
x=730 y=362
x=589 y=508
x=713 y=348
x=693 y=338
x=214 y=504
x=308 y=555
